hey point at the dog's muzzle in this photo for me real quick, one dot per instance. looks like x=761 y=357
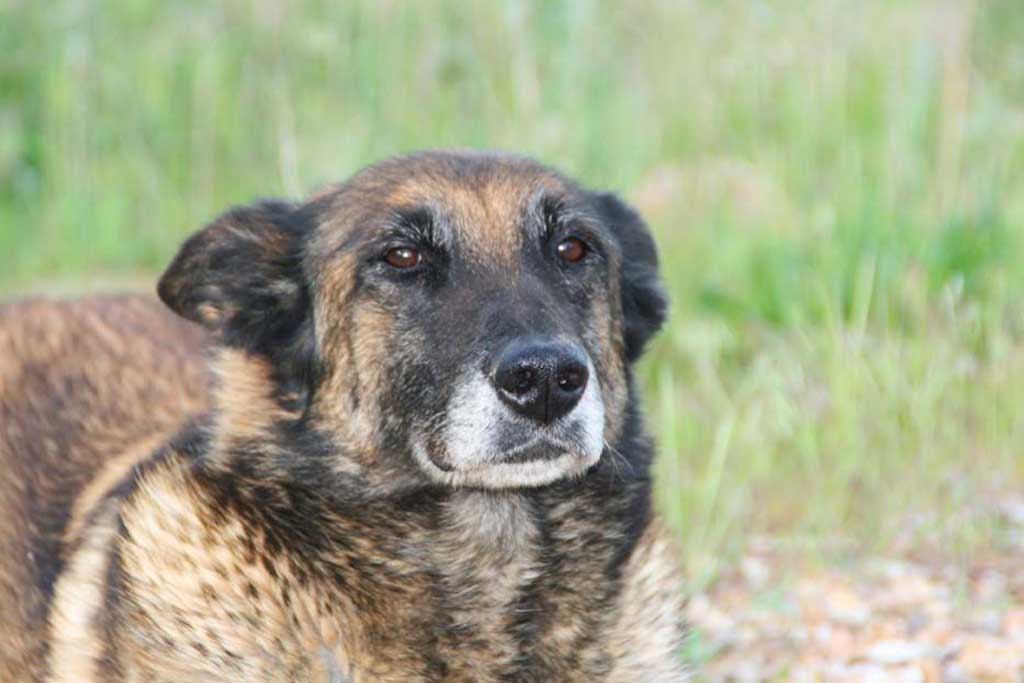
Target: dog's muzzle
x=534 y=415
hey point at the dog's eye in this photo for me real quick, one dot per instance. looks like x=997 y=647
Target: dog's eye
x=402 y=257
x=572 y=249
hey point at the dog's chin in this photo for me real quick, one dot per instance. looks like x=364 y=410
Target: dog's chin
x=537 y=463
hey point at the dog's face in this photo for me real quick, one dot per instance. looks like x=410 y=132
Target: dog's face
x=467 y=316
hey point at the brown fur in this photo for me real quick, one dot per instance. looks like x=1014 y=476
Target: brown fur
x=217 y=555
x=83 y=386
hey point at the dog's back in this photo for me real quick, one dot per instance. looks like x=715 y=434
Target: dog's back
x=87 y=388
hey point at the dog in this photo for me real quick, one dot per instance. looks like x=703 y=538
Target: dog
x=391 y=434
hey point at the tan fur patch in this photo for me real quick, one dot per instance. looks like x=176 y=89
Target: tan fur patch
x=196 y=597
x=485 y=205
x=611 y=368
x=76 y=639
x=243 y=396
x=646 y=640
x=487 y=220
x=113 y=471
x=353 y=342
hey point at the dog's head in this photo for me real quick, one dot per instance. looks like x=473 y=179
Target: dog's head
x=469 y=317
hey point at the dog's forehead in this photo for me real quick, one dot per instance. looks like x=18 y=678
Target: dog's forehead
x=484 y=201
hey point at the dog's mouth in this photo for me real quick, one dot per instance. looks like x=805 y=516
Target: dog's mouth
x=538 y=461
x=538 y=448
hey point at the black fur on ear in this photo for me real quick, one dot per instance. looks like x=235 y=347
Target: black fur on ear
x=644 y=303
x=241 y=277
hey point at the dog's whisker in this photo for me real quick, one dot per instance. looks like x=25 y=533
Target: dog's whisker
x=616 y=459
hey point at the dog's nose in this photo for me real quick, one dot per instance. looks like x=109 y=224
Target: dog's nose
x=541 y=380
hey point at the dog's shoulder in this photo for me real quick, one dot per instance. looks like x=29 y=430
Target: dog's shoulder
x=87 y=603
x=149 y=579
x=646 y=638
x=87 y=388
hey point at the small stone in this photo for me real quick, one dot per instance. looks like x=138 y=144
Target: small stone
x=990 y=586
x=937 y=633
x=930 y=670
x=846 y=607
x=917 y=621
x=803 y=673
x=907 y=674
x=954 y=673
x=755 y=571
x=1013 y=510
x=1013 y=625
x=884 y=629
x=991 y=660
x=897 y=651
x=870 y=673
x=987 y=620
x=906 y=591
x=840 y=645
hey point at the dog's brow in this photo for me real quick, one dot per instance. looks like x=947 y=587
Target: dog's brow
x=543 y=211
x=424 y=222
x=548 y=211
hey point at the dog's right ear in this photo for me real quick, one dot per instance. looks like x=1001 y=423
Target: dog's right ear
x=643 y=299
x=241 y=276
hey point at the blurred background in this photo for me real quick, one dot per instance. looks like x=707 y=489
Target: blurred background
x=837 y=188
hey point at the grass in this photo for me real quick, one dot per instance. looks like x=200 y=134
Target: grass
x=837 y=189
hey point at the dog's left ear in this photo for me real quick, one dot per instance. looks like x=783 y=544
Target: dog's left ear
x=644 y=303
x=241 y=277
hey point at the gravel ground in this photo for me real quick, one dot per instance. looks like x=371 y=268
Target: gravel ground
x=903 y=618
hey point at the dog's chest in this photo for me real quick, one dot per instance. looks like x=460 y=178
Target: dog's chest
x=487 y=558
x=504 y=602
x=481 y=587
